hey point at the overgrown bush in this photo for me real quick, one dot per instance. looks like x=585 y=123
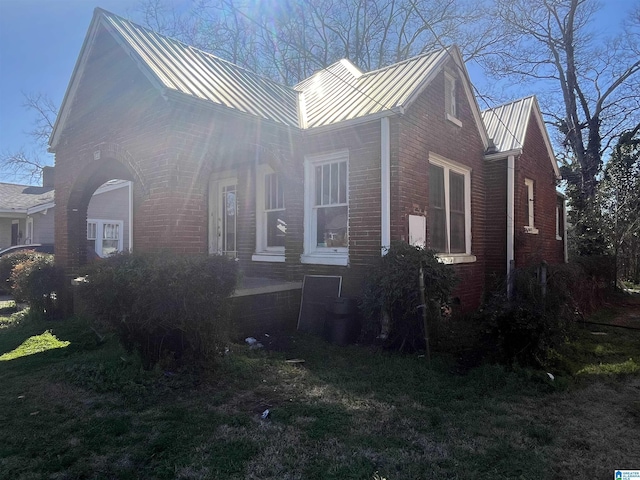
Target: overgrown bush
x=40 y=283
x=167 y=307
x=527 y=328
x=7 y=262
x=391 y=304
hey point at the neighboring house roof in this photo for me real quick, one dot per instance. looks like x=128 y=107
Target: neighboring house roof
x=27 y=199
x=24 y=199
x=507 y=125
x=335 y=94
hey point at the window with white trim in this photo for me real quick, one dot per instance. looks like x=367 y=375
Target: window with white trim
x=326 y=209
x=450 y=102
x=105 y=236
x=449 y=222
x=271 y=223
x=29 y=237
x=529 y=206
x=559 y=219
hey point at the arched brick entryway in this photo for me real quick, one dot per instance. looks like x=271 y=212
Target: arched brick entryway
x=73 y=196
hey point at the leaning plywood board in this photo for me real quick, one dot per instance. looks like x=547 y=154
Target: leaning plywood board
x=316 y=289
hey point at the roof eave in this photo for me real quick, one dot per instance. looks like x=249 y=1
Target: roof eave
x=40 y=208
x=545 y=136
x=352 y=122
x=65 y=107
x=13 y=210
x=502 y=155
x=190 y=99
x=97 y=21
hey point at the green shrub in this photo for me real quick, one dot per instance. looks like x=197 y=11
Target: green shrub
x=167 y=307
x=527 y=328
x=391 y=303
x=40 y=283
x=7 y=262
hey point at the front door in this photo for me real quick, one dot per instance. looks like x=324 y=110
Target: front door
x=223 y=214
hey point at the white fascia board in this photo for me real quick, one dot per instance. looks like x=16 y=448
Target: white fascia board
x=110 y=187
x=40 y=208
x=17 y=211
x=76 y=75
x=502 y=155
x=78 y=72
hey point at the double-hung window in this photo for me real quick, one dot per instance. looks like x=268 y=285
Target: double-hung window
x=449 y=222
x=326 y=237
x=105 y=236
x=271 y=222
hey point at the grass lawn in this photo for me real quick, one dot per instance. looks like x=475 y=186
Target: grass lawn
x=71 y=407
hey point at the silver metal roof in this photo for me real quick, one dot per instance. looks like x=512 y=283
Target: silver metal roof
x=507 y=124
x=336 y=93
x=341 y=92
x=187 y=70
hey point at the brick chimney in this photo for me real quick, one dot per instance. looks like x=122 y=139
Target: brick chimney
x=47 y=176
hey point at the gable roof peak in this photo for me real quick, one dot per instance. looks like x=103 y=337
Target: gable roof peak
x=508 y=124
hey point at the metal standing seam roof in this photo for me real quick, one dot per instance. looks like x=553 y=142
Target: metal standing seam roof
x=187 y=70
x=335 y=94
x=507 y=124
x=20 y=198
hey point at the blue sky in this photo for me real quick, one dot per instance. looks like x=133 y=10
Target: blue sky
x=40 y=41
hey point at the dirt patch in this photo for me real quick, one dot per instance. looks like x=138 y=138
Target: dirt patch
x=628 y=312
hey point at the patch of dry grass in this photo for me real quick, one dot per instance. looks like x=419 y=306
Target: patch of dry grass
x=345 y=413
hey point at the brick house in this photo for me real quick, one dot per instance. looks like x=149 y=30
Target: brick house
x=522 y=174
x=27 y=215
x=315 y=179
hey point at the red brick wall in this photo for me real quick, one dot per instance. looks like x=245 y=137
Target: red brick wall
x=171 y=149
x=124 y=119
x=423 y=129
x=496 y=228
x=534 y=164
x=363 y=144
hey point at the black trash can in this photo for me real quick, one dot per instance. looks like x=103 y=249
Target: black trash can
x=341 y=321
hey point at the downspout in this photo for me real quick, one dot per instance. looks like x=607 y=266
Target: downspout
x=510 y=217
x=566 y=230
x=130 y=216
x=385 y=185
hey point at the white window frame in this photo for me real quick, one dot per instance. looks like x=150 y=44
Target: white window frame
x=29 y=227
x=559 y=210
x=451 y=166
x=314 y=254
x=530 y=192
x=450 y=102
x=99 y=233
x=263 y=252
